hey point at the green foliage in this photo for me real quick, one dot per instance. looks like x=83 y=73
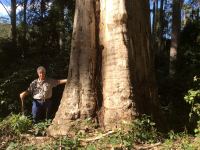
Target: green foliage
x=40 y=128
x=180 y=141
x=193 y=98
x=15 y=125
x=189 y=48
x=7 y=55
x=143 y=130
x=66 y=143
x=91 y=147
x=197 y=130
x=5 y=31
x=10 y=87
x=20 y=146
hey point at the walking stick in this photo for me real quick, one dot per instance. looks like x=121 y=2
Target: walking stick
x=22 y=106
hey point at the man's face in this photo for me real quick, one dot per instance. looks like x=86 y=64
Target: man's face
x=41 y=74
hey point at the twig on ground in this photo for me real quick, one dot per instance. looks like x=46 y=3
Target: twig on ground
x=98 y=137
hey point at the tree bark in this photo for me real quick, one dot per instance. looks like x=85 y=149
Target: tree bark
x=141 y=58
x=24 y=44
x=13 y=22
x=79 y=96
x=175 y=36
x=118 y=104
x=127 y=61
x=161 y=28
x=127 y=69
x=154 y=22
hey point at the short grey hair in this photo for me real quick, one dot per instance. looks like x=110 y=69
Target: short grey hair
x=41 y=68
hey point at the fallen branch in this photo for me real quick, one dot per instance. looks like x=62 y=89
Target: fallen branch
x=98 y=137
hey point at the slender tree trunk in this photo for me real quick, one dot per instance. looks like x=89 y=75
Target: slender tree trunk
x=154 y=17
x=42 y=8
x=155 y=29
x=62 y=28
x=24 y=28
x=161 y=28
x=162 y=15
x=79 y=97
x=175 y=36
x=13 y=22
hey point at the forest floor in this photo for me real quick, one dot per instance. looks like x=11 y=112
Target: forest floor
x=49 y=143
x=86 y=135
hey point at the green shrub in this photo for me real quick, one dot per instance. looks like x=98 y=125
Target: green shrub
x=10 y=88
x=40 y=128
x=143 y=130
x=20 y=146
x=193 y=98
x=15 y=124
x=66 y=143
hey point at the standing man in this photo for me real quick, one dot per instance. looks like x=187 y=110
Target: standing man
x=41 y=91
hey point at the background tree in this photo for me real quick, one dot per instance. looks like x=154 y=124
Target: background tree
x=175 y=36
x=13 y=21
x=141 y=57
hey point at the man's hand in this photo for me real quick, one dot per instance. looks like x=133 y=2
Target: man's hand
x=62 y=81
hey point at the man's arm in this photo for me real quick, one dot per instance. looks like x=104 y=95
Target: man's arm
x=62 y=81
x=22 y=96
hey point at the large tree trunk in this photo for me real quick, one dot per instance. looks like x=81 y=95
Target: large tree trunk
x=118 y=104
x=175 y=36
x=142 y=57
x=127 y=61
x=79 y=97
x=128 y=79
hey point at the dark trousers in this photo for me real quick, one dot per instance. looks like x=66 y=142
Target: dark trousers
x=41 y=110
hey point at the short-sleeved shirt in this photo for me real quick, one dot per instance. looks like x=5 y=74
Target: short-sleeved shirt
x=42 y=89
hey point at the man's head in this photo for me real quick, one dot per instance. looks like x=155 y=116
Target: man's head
x=41 y=71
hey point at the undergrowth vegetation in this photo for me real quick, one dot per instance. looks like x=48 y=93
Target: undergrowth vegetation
x=193 y=98
x=18 y=132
